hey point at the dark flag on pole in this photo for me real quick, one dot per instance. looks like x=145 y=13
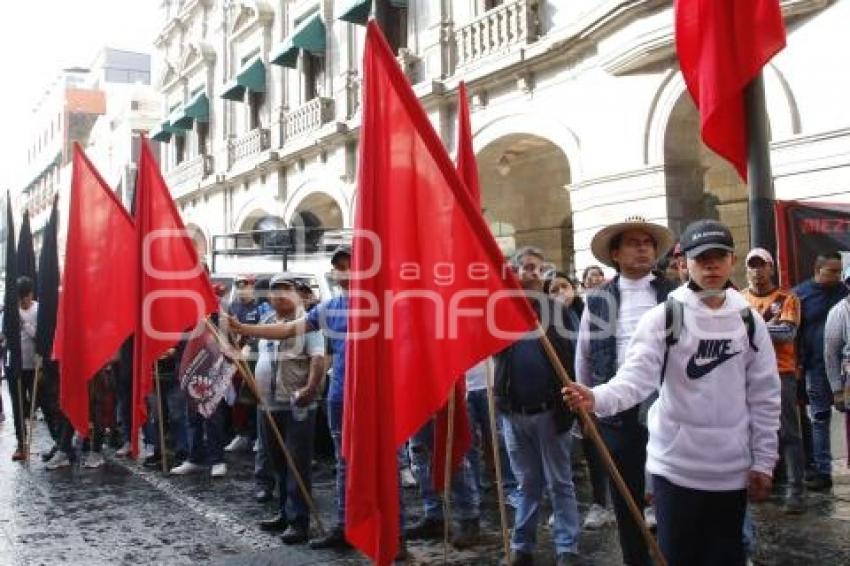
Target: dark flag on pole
x=26 y=254
x=11 y=315
x=48 y=293
x=205 y=373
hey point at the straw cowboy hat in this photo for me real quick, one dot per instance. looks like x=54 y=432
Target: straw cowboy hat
x=601 y=244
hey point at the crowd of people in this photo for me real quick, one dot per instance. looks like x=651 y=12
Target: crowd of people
x=699 y=390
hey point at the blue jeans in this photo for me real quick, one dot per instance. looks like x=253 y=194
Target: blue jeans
x=263 y=472
x=539 y=454
x=335 y=426
x=207 y=445
x=820 y=411
x=298 y=436
x=479 y=417
x=465 y=497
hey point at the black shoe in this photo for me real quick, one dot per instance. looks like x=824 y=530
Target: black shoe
x=294 y=535
x=47 y=456
x=467 y=534
x=565 y=559
x=401 y=555
x=333 y=539
x=276 y=524
x=821 y=482
x=795 y=504
x=425 y=529
x=263 y=495
x=153 y=461
x=521 y=558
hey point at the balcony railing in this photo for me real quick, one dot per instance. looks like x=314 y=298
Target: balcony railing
x=253 y=142
x=513 y=23
x=308 y=118
x=193 y=169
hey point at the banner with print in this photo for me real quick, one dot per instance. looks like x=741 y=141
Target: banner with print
x=205 y=372
x=805 y=230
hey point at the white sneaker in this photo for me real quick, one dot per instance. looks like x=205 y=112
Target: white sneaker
x=219 y=470
x=407 y=479
x=59 y=460
x=93 y=460
x=649 y=516
x=124 y=451
x=597 y=517
x=238 y=444
x=256 y=447
x=186 y=468
x=148 y=451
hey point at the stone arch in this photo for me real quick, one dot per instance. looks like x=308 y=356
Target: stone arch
x=325 y=198
x=254 y=209
x=523 y=183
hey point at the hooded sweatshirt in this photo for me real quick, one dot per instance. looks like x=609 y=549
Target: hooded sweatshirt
x=717 y=415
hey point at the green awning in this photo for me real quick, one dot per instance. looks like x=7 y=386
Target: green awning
x=179 y=119
x=398 y=3
x=252 y=76
x=198 y=108
x=309 y=35
x=357 y=12
x=161 y=134
x=233 y=91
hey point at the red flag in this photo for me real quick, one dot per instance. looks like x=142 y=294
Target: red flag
x=97 y=303
x=421 y=286
x=467 y=168
x=174 y=290
x=722 y=46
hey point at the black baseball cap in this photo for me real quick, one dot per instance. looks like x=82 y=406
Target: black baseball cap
x=704 y=235
x=283 y=279
x=343 y=250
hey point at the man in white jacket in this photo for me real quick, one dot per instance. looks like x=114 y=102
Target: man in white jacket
x=713 y=430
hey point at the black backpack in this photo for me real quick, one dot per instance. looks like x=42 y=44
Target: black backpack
x=674 y=314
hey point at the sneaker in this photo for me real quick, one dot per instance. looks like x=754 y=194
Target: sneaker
x=186 y=468
x=597 y=517
x=19 y=455
x=821 y=482
x=256 y=447
x=93 y=460
x=218 y=470
x=238 y=444
x=59 y=460
x=153 y=462
x=407 y=479
x=294 y=535
x=334 y=539
x=649 y=517
x=47 y=456
x=795 y=504
x=124 y=451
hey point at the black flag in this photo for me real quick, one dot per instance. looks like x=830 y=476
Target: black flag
x=26 y=254
x=48 y=287
x=11 y=314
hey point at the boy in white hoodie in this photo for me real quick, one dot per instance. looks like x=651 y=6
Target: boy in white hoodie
x=713 y=430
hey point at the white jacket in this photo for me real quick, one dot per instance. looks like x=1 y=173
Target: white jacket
x=717 y=415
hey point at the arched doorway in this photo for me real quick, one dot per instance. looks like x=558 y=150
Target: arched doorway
x=523 y=180
x=318 y=210
x=700 y=184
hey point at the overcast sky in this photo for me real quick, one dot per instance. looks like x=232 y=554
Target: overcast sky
x=40 y=37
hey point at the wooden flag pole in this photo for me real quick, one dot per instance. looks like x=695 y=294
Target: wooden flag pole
x=593 y=432
x=447 y=475
x=162 y=457
x=497 y=461
x=31 y=420
x=290 y=462
x=21 y=421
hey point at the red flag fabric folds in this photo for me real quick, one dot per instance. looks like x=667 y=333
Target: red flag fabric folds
x=427 y=298
x=467 y=168
x=174 y=289
x=100 y=265
x=722 y=46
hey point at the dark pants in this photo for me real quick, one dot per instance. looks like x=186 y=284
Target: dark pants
x=100 y=391
x=790 y=437
x=627 y=444
x=597 y=472
x=20 y=393
x=206 y=436
x=298 y=437
x=699 y=528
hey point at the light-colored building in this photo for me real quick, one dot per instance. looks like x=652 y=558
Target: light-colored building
x=580 y=115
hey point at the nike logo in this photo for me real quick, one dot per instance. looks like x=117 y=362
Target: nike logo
x=709 y=356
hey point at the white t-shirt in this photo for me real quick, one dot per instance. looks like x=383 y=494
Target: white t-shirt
x=637 y=297
x=28 y=320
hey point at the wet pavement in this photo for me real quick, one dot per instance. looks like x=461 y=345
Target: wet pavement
x=125 y=514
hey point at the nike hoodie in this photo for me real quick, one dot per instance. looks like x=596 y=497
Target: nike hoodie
x=717 y=414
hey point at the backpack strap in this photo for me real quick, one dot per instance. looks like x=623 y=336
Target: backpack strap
x=750 y=325
x=674 y=313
